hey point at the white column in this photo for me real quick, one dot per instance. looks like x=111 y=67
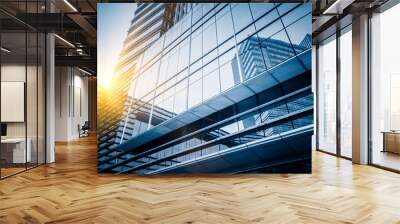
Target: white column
x=50 y=92
x=50 y=99
x=360 y=90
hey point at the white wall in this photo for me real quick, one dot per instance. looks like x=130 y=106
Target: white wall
x=71 y=102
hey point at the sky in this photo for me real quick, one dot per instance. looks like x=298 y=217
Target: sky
x=113 y=21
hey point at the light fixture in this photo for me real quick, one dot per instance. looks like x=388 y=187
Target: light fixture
x=84 y=71
x=337 y=7
x=5 y=50
x=70 y=5
x=64 y=40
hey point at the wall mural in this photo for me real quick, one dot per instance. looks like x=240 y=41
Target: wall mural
x=205 y=88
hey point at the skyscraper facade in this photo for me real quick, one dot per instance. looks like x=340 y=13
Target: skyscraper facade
x=227 y=89
x=150 y=21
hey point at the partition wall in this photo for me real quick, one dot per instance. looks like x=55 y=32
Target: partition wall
x=22 y=87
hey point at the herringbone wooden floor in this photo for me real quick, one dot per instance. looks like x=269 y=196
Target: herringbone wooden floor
x=70 y=191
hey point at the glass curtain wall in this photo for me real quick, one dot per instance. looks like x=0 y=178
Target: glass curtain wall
x=345 y=59
x=214 y=39
x=385 y=89
x=22 y=92
x=327 y=95
x=335 y=94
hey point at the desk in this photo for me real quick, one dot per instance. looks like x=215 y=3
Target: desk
x=13 y=150
x=391 y=141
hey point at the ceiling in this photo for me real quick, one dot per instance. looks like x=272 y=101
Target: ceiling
x=75 y=23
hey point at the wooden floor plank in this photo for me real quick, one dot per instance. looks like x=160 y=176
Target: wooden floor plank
x=71 y=191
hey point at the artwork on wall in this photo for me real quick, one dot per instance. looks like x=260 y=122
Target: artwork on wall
x=192 y=88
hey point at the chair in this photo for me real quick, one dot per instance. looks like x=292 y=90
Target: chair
x=84 y=130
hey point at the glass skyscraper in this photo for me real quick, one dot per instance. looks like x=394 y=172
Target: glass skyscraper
x=226 y=89
x=150 y=21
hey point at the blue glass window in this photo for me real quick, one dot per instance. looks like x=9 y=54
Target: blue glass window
x=228 y=77
x=195 y=66
x=209 y=36
x=250 y=30
x=226 y=46
x=210 y=67
x=296 y=14
x=300 y=34
x=211 y=85
x=197 y=13
x=183 y=55
x=229 y=128
x=180 y=102
x=283 y=8
x=276 y=49
x=173 y=63
x=251 y=58
x=196 y=46
x=259 y=9
x=147 y=81
x=249 y=120
x=270 y=30
x=195 y=93
x=195 y=76
x=168 y=104
x=224 y=25
x=241 y=16
x=267 y=19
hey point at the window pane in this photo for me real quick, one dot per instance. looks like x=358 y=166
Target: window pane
x=249 y=120
x=197 y=13
x=147 y=81
x=385 y=87
x=169 y=104
x=251 y=58
x=270 y=30
x=267 y=19
x=211 y=85
x=195 y=93
x=180 y=101
x=346 y=94
x=210 y=67
x=163 y=70
x=224 y=25
x=226 y=46
x=327 y=96
x=276 y=49
x=259 y=9
x=229 y=75
x=209 y=37
x=250 y=30
x=285 y=7
x=173 y=63
x=300 y=34
x=296 y=14
x=183 y=55
x=195 y=76
x=196 y=46
x=241 y=16
x=229 y=128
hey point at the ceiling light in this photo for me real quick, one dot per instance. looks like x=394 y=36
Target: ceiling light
x=64 y=40
x=70 y=5
x=84 y=71
x=338 y=6
x=5 y=50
